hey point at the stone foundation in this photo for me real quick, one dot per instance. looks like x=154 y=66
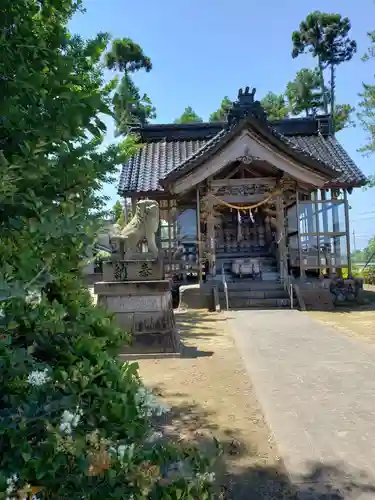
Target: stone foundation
x=346 y=291
x=143 y=308
x=326 y=294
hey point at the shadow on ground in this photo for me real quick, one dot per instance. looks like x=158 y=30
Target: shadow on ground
x=190 y=423
x=194 y=324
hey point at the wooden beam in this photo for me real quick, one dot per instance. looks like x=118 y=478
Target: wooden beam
x=256 y=181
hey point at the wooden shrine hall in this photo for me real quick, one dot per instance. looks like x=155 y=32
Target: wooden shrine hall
x=247 y=198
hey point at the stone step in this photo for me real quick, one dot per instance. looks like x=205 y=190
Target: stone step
x=263 y=260
x=244 y=255
x=253 y=285
x=246 y=303
x=266 y=268
x=266 y=276
x=256 y=294
x=270 y=275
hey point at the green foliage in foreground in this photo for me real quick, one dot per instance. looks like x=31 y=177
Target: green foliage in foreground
x=74 y=422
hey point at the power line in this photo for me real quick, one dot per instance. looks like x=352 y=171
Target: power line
x=362 y=218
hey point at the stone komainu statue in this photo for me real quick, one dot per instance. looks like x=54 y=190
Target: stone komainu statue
x=142 y=226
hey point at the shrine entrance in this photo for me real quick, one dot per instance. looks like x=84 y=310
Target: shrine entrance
x=240 y=232
x=241 y=235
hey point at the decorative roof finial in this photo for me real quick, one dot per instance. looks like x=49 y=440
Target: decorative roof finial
x=246 y=97
x=246 y=105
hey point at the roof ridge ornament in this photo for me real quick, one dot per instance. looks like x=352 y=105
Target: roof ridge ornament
x=246 y=105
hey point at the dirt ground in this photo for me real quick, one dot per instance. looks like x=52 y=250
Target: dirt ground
x=212 y=396
x=358 y=321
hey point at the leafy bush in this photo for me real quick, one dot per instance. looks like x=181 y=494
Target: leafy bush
x=74 y=422
x=369 y=275
x=356 y=272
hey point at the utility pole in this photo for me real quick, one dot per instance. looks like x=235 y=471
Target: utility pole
x=354 y=245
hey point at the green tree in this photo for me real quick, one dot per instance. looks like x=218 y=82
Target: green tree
x=326 y=37
x=189 y=116
x=131 y=107
x=366 y=112
x=117 y=210
x=305 y=96
x=304 y=93
x=358 y=256
x=369 y=251
x=118 y=214
x=343 y=116
x=127 y=57
x=221 y=114
x=275 y=106
x=74 y=422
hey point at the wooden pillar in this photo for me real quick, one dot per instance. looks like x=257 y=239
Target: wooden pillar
x=169 y=238
x=336 y=227
x=268 y=230
x=302 y=270
x=211 y=231
x=309 y=214
x=199 y=239
x=317 y=229
x=347 y=230
x=325 y=228
x=280 y=222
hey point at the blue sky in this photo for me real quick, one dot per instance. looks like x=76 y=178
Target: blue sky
x=204 y=50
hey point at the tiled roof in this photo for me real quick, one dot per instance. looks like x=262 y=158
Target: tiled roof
x=330 y=151
x=153 y=162
x=266 y=133
x=181 y=147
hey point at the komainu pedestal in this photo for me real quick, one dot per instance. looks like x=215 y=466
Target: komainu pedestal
x=134 y=288
x=143 y=308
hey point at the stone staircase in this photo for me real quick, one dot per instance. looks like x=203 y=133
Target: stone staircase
x=250 y=294
x=244 y=293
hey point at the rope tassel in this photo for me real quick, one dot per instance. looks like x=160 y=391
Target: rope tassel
x=239 y=227
x=251 y=216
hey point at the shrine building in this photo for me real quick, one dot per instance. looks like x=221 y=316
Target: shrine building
x=247 y=198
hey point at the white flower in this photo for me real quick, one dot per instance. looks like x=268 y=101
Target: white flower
x=206 y=477
x=33 y=297
x=124 y=452
x=70 y=420
x=38 y=377
x=148 y=404
x=154 y=436
x=11 y=484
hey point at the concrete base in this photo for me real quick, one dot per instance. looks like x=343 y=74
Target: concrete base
x=192 y=297
x=143 y=308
